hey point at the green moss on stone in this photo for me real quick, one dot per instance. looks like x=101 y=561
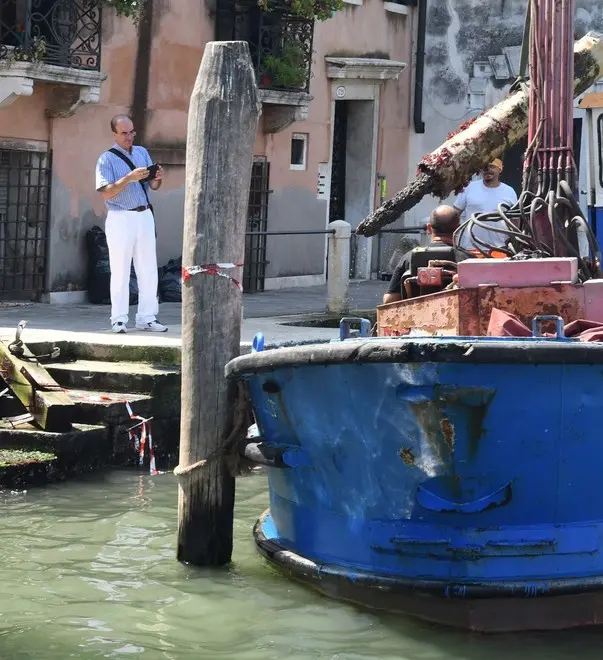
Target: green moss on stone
x=22 y=469
x=10 y=457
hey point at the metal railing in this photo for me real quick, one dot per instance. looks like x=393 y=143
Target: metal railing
x=257 y=284
x=280 y=42
x=64 y=33
x=287 y=233
x=421 y=231
x=254 y=274
x=283 y=59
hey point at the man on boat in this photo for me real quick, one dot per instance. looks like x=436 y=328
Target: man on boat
x=483 y=196
x=442 y=223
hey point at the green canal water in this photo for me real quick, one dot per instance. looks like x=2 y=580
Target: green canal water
x=88 y=570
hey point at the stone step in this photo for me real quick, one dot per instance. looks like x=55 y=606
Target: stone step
x=91 y=407
x=128 y=377
x=108 y=407
x=79 y=450
x=108 y=352
x=20 y=469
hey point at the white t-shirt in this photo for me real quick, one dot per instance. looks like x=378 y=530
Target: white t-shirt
x=478 y=198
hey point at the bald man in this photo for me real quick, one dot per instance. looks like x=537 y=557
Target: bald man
x=122 y=178
x=442 y=223
x=483 y=196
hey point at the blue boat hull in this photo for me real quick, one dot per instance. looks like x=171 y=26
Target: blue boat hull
x=457 y=480
x=488 y=608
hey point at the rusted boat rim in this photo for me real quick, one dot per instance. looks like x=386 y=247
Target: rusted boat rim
x=306 y=568
x=465 y=350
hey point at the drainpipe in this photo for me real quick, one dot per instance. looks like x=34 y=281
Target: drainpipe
x=142 y=72
x=420 y=68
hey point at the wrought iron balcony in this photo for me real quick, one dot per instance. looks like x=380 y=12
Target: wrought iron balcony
x=65 y=33
x=280 y=42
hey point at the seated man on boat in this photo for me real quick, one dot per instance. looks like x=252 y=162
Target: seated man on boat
x=443 y=221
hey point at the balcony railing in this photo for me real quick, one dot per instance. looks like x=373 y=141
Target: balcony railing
x=280 y=42
x=65 y=33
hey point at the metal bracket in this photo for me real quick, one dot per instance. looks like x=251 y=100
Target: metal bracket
x=260 y=452
x=17 y=348
x=436 y=502
x=258 y=343
x=345 y=331
x=539 y=320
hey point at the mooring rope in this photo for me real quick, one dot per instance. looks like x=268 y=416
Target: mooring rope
x=241 y=422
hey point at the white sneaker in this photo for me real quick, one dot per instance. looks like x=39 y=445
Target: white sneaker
x=119 y=328
x=153 y=326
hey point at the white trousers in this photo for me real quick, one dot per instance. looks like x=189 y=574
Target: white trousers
x=131 y=236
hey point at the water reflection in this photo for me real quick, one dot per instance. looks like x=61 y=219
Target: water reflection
x=89 y=571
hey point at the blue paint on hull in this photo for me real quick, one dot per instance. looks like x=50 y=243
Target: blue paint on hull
x=595 y=219
x=452 y=473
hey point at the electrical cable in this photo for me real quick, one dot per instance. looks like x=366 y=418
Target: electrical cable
x=548 y=222
x=521 y=236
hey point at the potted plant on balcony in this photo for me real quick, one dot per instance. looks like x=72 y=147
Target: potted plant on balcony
x=311 y=9
x=133 y=9
x=34 y=53
x=289 y=69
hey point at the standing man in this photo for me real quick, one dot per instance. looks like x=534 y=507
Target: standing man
x=484 y=196
x=130 y=226
x=443 y=222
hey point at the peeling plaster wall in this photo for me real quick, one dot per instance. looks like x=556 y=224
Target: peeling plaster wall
x=180 y=29
x=355 y=31
x=77 y=141
x=472 y=55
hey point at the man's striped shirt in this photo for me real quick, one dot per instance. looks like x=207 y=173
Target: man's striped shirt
x=110 y=168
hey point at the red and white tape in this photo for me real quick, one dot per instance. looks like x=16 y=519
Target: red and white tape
x=144 y=423
x=212 y=269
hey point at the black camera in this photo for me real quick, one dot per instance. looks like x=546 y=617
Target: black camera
x=152 y=172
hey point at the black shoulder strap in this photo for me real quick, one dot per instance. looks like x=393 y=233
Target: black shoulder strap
x=126 y=160
x=131 y=165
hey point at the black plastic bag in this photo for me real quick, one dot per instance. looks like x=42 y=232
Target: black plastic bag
x=170 y=281
x=99 y=271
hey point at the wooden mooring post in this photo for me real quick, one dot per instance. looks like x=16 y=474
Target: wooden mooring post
x=222 y=126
